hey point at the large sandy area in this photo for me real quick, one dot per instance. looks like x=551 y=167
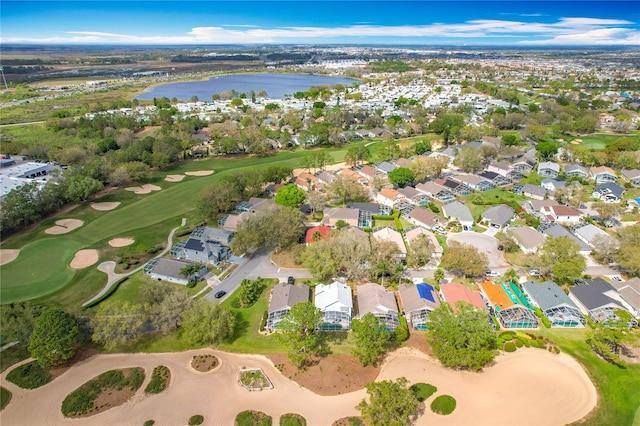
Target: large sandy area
x=84 y=258
x=121 y=242
x=105 y=206
x=8 y=255
x=527 y=387
x=174 y=178
x=63 y=226
x=144 y=189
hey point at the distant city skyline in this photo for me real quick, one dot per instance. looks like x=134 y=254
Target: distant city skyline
x=454 y=23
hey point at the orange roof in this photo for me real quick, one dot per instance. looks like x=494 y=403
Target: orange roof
x=454 y=292
x=496 y=294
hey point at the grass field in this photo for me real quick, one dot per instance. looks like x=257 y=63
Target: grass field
x=597 y=141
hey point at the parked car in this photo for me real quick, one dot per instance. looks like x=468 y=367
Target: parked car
x=219 y=294
x=618 y=279
x=534 y=273
x=291 y=280
x=492 y=274
x=500 y=247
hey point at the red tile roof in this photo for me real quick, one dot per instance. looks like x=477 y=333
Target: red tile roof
x=454 y=292
x=323 y=230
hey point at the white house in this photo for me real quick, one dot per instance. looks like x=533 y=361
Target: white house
x=336 y=304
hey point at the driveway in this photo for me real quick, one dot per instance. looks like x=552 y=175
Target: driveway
x=485 y=244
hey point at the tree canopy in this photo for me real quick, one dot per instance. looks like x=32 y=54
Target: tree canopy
x=370 y=336
x=391 y=403
x=299 y=330
x=276 y=228
x=562 y=257
x=401 y=176
x=208 y=323
x=464 y=259
x=290 y=196
x=55 y=338
x=465 y=340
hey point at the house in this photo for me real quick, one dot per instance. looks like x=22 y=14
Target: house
x=632 y=176
x=495 y=178
x=435 y=191
x=418 y=300
x=414 y=196
x=336 y=304
x=528 y=239
x=306 y=181
x=317 y=233
x=230 y=222
x=254 y=204
x=474 y=182
x=551 y=185
x=164 y=269
x=538 y=205
x=385 y=167
x=608 y=192
x=284 y=296
x=423 y=217
x=335 y=214
x=388 y=234
x=459 y=211
x=371 y=208
x=630 y=293
x=374 y=299
x=325 y=178
x=556 y=230
x=500 y=167
x=498 y=216
x=510 y=306
x=561 y=213
x=454 y=186
x=576 y=170
x=548 y=169
x=591 y=234
x=389 y=197
x=367 y=172
x=452 y=293
x=598 y=299
x=207 y=245
x=524 y=166
x=603 y=174
x=554 y=303
x=420 y=232
x=533 y=191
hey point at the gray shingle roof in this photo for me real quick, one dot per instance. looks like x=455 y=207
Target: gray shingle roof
x=375 y=299
x=500 y=214
x=592 y=294
x=458 y=210
x=557 y=230
x=547 y=295
x=286 y=295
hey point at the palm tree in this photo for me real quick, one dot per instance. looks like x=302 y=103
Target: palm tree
x=438 y=275
x=511 y=275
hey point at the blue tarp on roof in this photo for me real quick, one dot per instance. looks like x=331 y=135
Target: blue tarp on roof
x=426 y=292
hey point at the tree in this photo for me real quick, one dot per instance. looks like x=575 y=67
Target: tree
x=346 y=188
x=511 y=139
x=370 y=337
x=215 y=199
x=55 y=338
x=546 y=150
x=424 y=167
x=401 y=176
x=629 y=254
x=390 y=403
x=117 y=323
x=465 y=340
x=562 y=257
x=250 y=291
x=276 y=228
x=608 y=210
x=164 y=305
x=438 y=275
x=299 y=330
x=464 y=259
x=469 y=160
x=420 y=251
x=609 y=340
x=17 y=321
x=357 y=155
x=81 y=187
x=316 y=200
x=208 y=323
x=290 y=196
x=511 y=276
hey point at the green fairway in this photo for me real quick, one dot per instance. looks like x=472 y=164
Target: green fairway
x=598 y=141
x=41 y=268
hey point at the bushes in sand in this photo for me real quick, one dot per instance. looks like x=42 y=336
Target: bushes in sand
x=443 y=404
x=291 y=419
x=29 y=376
x=204 y=362
x=159 y=379
x=5 y=397
x=196 y=420
x=423 y=391
x=81 y=401
x=510 y=347
x=253 y=418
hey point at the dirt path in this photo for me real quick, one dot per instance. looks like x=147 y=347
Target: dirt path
x=529 y=386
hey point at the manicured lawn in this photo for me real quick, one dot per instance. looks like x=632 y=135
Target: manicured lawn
x=597 y=141
x=130 y=289
x=619 y=389
x=12 y=356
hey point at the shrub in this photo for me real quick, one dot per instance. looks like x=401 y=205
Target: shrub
x=5 y=397
x=253 y=418
x=29 y=376
x=423 y=391
x=527 y=343
x=196 y=420
x=401 y=333
x=355 y=421
x=519 y=343
x=507 y=335
x=159 y=380
x=443 y=404
x=291 y=419
x=535 y=344
x=149 y=423
x=134 y=378
x=510 y=347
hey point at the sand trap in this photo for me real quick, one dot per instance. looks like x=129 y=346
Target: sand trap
x=577 y=140
x=8 y=255
x=200 y=173
x=121 y=242
x=144 y=189
x=84 y=258
x=526 y=387
x=575 y=143
x=63 y=226
x=174 y=178
x=104 y=206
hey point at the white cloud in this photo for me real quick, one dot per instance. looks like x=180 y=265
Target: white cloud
x=569 y=30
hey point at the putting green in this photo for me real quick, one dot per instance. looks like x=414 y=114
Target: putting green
x=41 y=268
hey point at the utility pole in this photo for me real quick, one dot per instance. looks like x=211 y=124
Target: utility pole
x=4 y=79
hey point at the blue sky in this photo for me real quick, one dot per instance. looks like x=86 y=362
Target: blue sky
x=458 y=23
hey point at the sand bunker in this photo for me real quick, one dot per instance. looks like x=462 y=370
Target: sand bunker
x=84 y=258
x=200 y=173
x=121 y=242
x=104 y=206
x=144 y=189
x=8 y=255
x=174 y=178
x=63 y=226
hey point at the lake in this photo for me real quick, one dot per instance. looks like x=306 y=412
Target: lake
x=276 y=86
